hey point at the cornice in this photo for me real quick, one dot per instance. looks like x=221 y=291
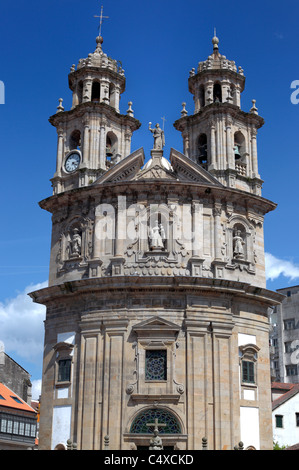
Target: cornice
x=212 y=110
x=205 y=191
x=128 y=286
x=100 y=108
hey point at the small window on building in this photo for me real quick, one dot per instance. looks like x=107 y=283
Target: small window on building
x=156 y=364
x=289 y=324
x=16 y=399
x=248 y=372
x=64 y=370
x=2 y=398
x=279 y=421
x=297 y=419
x=291 y=370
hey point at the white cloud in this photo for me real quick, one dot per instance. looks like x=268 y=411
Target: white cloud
x=36 y=389
x=21 y=325
x=276 y=267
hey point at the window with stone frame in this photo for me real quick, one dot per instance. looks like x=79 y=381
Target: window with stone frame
x=248 y=372
x=64 y=359
x=156 y=364
x=64 y=370
x=248 y=362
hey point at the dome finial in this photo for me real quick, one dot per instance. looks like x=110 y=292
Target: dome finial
x=215 y=40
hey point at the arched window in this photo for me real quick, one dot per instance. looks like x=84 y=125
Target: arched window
x=75 y=140
x=165 y=417
x=202 y=149
x=96 y=92
x=202 y=96
x=111 y=147
x=217 y=93
x=239 y=145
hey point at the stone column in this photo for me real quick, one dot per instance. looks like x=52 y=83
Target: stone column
x=198 y=383
x=60 y=150
x=217 y=231
x=104 y=98
x=186 y=143
x=116 y=97
x=254 y=153
x=229 y=146
x=128 y=136
x=86 y=92
x=85 y=153
x=90 y=390
x=197 y=259
x=113 y=380
x=212 y=147
x=102 y=162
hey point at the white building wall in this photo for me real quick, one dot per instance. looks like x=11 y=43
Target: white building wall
x=250 y=426
x=61 y=428
x=288 y=435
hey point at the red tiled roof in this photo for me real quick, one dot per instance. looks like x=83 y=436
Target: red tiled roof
x=293 y=390
x=281 y=386
x=10 y=399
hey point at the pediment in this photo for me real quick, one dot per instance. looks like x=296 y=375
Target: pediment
x=125 y=170
x=156 y=325
x=189 y=171
x=157 y=168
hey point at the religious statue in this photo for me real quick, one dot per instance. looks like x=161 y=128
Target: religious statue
x=238 y=244
x=156 y=237
x=156 y=441
x=159 y=139
x=75 y=243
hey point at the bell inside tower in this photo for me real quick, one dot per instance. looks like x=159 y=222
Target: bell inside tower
x=217 y=93
x=202 y=149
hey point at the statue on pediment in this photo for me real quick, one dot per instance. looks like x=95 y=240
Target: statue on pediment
x=159 y=138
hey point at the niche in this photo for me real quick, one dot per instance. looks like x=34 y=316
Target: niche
x=75 y=140
x=217 y=93
x=202 y=146
x=96 y=92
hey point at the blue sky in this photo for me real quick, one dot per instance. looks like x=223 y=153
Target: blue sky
x=158 y=42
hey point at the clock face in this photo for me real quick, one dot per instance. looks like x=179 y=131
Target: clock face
x=72 y=162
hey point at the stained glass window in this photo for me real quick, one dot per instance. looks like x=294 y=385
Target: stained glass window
x=156 y=364
x=139 y=425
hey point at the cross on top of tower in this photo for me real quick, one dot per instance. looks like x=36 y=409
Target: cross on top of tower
x=101 y=19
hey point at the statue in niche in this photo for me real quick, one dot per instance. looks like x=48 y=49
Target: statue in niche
x=75 y=244
x=156 y=441
x=159 y=139
x=238 y=244
x=156 y=236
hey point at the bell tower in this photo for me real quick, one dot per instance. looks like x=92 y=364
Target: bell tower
x=92 y=135
x=219 y=136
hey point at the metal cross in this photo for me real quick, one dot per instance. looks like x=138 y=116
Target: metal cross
x=156 y=424
x=163 y=119
x=101 y=19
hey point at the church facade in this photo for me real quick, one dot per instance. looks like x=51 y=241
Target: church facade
x=157 y=302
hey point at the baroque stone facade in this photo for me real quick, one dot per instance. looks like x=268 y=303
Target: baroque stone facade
x=156 y=305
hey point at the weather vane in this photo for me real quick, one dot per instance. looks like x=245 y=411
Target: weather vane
x=101 y=19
